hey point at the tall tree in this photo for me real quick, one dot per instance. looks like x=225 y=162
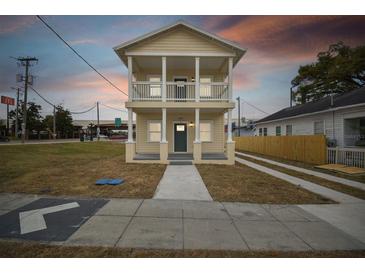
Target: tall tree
x=339 y=69
x=34 y=117
x=64 y=125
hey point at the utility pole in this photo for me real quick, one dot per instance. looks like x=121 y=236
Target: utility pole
x=239 y=115
x=54 y=122
x=7 y=120
x=25 y=61
x=98 y=126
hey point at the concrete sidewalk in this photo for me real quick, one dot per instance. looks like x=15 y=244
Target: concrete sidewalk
x=182 y=182
x=308 y=171
x=177 y=224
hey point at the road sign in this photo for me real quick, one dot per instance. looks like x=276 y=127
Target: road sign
x=7 y=100
x=118 y=122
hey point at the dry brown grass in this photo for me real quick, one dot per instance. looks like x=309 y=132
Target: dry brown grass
x=355 y=177
x=72 y=169
x=240 y=183
x=12 y=249
x=353 y=191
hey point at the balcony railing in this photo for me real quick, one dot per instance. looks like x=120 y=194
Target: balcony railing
x=179 y=91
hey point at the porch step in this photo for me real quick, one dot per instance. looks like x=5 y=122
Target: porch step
x=180 y=156
x=181 y=163
x=214 y=156
x=146 y=156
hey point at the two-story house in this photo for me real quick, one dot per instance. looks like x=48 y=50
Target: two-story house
x=179 y=89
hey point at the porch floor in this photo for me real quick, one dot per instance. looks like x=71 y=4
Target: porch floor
x=147 y=156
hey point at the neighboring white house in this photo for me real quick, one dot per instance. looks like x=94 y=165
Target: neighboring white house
x=340 y=117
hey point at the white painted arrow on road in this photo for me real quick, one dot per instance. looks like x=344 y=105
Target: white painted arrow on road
x=33 y=220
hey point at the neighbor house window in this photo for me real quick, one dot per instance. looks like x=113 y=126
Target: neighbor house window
x=260 y=131
x=154 y=131
x=278 y=131
x=205 y=88
x=265 y=131
x=318 y=127
x=289 y=130
x=206 y=131
x=155 y=89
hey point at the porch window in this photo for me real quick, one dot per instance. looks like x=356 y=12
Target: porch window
x=206 y=131
x=318 y=128
x=354 y=134
x=205 y=87
x=154 y=131
x=289 y=130
x=278 y=131
x=155 y=89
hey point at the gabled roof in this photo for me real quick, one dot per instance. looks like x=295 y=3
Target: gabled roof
x=347 y=99
x=195 y=29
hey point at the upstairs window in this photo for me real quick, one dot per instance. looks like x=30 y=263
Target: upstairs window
x=318 y=128
x=278 y=131
x=154 y=131
x=205 y=87
x=155 y=89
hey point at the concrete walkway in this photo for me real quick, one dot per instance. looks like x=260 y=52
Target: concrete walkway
x=323 y=191
x=182 y=182
x=308 y=171
x=177 y=224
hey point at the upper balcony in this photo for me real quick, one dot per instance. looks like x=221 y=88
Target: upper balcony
x=180 y=79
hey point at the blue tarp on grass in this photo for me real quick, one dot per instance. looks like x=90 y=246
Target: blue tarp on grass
x=109 y=182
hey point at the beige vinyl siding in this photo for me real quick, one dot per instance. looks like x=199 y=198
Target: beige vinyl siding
x=216 y=145
x=179 y=40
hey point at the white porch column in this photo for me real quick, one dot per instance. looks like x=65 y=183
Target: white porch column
x=164 y=80
x=230 y=78
x=229 y=126
x=130 y=76
x=197 y=79
x=130 y=125
x=163 y=139
x=197 y=126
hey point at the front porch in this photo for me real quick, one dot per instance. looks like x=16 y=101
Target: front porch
x=170 y=135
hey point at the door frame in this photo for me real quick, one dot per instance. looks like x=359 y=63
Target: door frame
x=173 y=136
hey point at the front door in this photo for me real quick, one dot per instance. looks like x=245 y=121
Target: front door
x=180 y=137
x=180 y=91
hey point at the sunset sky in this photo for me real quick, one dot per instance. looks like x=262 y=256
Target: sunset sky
x=276 y=47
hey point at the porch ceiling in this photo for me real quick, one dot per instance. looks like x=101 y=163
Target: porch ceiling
x=180 y=63
x=178 y=110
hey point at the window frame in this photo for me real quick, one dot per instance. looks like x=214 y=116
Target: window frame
x=211 y=130
x=323 y=127
x=276 y=131
x=149 y=122
x=291 y=130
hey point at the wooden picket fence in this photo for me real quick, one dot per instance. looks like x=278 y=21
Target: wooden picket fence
x=303 y=148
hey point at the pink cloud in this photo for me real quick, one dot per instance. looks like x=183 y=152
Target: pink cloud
x=10 y=24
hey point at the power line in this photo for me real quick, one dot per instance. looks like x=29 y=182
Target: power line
x=82 y=58
x=114 y=108
x=255 y=107
x=44 y=99
x=81 y=112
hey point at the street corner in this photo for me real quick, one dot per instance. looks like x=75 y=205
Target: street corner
x=48 y=219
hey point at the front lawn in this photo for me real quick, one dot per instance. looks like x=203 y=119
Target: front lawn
x=73 y=168
x=240 y=183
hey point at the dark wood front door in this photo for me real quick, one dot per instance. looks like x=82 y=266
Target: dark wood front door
x=180 y=137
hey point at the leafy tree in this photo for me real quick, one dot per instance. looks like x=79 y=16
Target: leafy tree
x=64 y=125
x=339 y=69
x=34 y=118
